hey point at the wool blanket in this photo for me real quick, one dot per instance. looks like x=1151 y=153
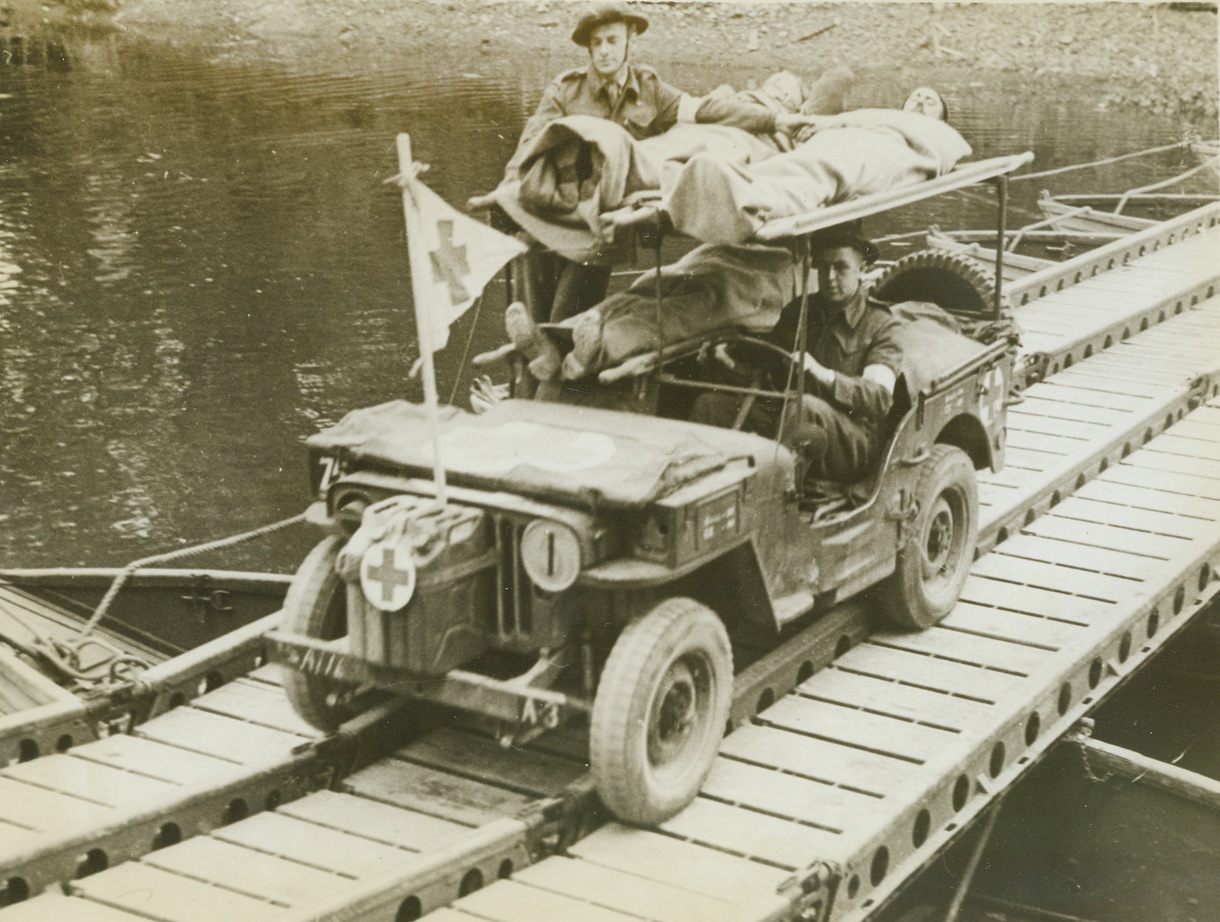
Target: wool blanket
x=580 y=166
x=717 y=200
x=710 y=288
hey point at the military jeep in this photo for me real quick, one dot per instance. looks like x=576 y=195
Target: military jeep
x=605 y=566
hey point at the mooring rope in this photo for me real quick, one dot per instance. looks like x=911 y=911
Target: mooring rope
x=1105 y=162
x=219 y=544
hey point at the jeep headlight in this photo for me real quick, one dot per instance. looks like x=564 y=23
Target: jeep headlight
x=550 y=553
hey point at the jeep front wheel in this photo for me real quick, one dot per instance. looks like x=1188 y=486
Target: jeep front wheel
x=935 y=560
x=316 y=606
x=660 y=711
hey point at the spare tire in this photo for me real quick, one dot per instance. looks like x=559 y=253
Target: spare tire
x=953 y=282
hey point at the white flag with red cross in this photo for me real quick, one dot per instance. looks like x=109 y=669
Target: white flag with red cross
x=452 y=262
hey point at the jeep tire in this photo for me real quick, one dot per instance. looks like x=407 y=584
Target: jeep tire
x=660 y=711
x=316 y=607
x=951 y=281
x=935 y=559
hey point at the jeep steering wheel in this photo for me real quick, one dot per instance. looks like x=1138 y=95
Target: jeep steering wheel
x=763 y=359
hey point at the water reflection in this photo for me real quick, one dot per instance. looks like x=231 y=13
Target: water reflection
x=201 y=264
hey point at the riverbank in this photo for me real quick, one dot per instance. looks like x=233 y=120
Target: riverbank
x=1160 y=59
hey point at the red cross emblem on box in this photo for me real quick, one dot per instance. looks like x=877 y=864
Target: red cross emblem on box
x=387 y=575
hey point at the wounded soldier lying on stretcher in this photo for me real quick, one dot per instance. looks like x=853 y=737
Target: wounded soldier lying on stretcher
x=840 y=157
x=566 y=175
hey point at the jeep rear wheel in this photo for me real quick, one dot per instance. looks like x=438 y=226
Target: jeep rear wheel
x=316 y=606
x=660 y=710
x=935 y=560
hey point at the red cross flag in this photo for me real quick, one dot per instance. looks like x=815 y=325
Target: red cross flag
x=453 y=257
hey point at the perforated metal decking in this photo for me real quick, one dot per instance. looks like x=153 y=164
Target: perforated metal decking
x=839 y=791
x=822 y=805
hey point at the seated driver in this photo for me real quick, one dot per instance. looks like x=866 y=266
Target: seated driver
x=852 y=359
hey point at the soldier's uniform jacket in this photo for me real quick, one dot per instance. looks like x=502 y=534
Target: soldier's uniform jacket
x=642 y=103
x=863 y=333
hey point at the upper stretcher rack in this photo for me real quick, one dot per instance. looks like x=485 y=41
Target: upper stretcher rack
x=651 y=213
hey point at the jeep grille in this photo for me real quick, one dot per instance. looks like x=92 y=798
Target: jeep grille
x=514 y=597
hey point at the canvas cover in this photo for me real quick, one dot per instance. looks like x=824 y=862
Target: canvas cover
x=572 y=455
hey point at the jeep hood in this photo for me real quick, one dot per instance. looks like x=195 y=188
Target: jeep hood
x=549 y=451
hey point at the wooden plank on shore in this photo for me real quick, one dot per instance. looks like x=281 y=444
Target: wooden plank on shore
x=1048 y=425
x=1148 y=351
x=1142 y=520
x=1079 y=396
x=269 y=674
x=1105 y=367
x=1139 y=496
x=1182 y=485
x=1030 y=444
x=1035 y=403
x=1172 y=444
x=1028 y=459
x=1174 y=464
x=1082 y=380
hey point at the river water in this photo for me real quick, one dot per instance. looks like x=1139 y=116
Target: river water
x=201 y=264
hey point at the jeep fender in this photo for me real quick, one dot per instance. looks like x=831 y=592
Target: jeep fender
x=732 y=585
x=967 y=432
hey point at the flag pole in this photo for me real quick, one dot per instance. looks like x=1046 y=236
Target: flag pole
x=418 y=257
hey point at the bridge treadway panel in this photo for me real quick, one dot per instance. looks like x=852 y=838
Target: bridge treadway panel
x=108 y=783
x=896 y=742
x=876 y=760
x=1064 y=427
x=394 y=817
x=1126 y=298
